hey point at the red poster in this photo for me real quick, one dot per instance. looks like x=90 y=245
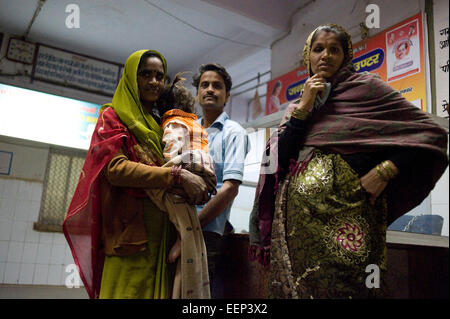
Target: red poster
x=396 y=55
x=284 y=89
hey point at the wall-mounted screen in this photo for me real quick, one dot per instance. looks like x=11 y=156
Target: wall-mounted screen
x=46 y=118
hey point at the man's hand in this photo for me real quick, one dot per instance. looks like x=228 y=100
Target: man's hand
x=219 y=202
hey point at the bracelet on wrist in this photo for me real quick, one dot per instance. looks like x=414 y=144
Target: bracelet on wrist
x=176 y=174
x=388 y=170
x=380 y=173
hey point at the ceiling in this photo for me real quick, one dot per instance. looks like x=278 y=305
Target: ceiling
x=235 y=33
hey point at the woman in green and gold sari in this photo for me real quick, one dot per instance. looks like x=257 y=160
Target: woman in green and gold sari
x=352 y=156
x=118 y=237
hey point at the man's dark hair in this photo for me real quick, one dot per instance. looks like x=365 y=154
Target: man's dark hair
x=216 y=68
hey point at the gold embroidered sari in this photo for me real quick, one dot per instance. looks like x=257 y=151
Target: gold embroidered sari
x=325 y=233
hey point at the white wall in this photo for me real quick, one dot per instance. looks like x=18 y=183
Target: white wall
x=28 y=256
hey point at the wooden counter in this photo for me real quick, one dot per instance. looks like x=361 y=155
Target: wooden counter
x=417 y=267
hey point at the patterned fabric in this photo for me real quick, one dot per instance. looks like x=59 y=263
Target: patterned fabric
x=182 y=132
x=307 y=48
x=191 y=278
x=119 y=125
x=82 y=226
x=127 y=105
x=362 y=114
x=316 y=227
x=325 y=234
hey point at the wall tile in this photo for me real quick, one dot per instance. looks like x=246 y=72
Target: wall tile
x=26 y=273
x=15 y=252
x=19 y=229
x=43 y=254
x=22 y=209
x=57 y=255
x=37 y=192
x=439 y=195
x=40 y=274
x=59 y=239
x=31 y=235
x=11 y=275
x=33 y=215
x=2 y=271
x=7 y=206
x=46 y=237
x=68 y=258
x=3 y=182
x=11 y=189
x=29 y=253
x=5 y=229
x=54 y=275
x=4 y=244
x=442 y=210
x=25 y=190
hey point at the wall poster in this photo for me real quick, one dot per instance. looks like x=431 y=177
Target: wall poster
x=396 y=55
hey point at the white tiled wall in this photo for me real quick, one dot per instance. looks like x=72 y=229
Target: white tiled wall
x=440 y=201
x=242 y=206
x=27 y=256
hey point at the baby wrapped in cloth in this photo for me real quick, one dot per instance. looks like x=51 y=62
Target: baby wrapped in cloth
x=186 y=146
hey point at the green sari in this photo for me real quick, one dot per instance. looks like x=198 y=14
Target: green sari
x=144 y=275
x=122 y=125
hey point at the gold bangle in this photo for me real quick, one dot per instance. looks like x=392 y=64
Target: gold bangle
x=388 y=169
x=383 y=177
x=300 y=114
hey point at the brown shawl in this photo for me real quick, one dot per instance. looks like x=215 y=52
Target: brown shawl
x=362 y=114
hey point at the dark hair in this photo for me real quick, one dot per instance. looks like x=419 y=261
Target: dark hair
x=151 y=54
x=176 y=96
x=216 y=68
x=276 y=86
x=342 y=36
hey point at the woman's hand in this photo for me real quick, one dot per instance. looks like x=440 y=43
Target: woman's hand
x=195 y=188
x=374 y=184
x=312 y=87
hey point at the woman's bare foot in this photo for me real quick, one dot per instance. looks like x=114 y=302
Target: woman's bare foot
x=174 y=252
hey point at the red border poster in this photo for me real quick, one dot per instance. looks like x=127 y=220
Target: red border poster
x=284 y=89
x=397 y=56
